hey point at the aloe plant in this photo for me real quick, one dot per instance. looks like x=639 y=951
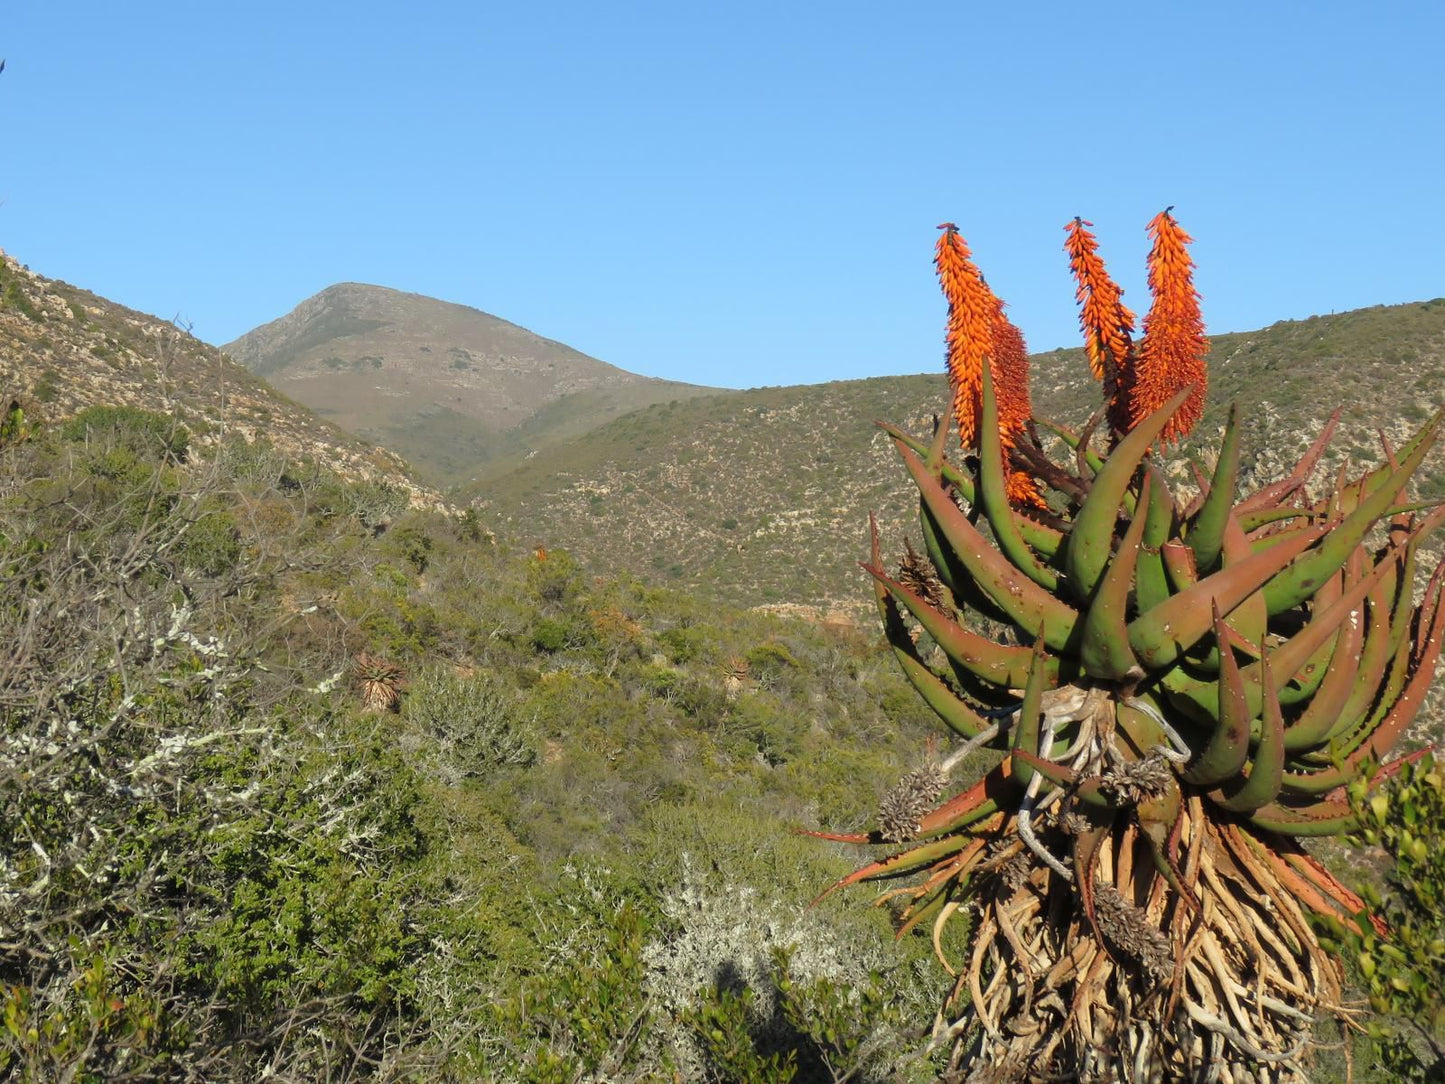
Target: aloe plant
x=1187 y=684
x=380 y=681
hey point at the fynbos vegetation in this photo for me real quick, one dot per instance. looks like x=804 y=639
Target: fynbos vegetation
x=294 y=791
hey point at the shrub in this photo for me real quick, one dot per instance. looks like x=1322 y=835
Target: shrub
x=212 y=542
x=550 y=635
x=770 y=661
x=149 y=436
x=411 y=542
x=200 y=874
x=374 y=504
x=554 y=577
x=1400 y=970
x=763 y=989
x=477 y=723
x=258 y=462
x=682 y=643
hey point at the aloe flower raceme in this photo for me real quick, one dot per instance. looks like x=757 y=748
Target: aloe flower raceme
x=1107 y=323
x=1172 y=354
x=1188 y=686
x=980 y=335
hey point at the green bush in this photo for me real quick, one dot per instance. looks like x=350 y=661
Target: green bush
x=1401 y=970
x=13 y=297
x=584 y=1019
x=770 y=661
x=413 y=544
x=554 y=577
x=550 y=635
x=256 y=463
x=313 y=913
x=373 y=504
x=682 y=643
x=47 y=386
x=212 y=542
x=724 y=1020
x=767 y=726
x=148 y=436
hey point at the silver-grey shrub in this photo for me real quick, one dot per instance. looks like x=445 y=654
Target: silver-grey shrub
x=476 y=724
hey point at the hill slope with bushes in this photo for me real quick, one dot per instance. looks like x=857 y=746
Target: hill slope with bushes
x=293 y=795
x=763 y=497
x=63 y=349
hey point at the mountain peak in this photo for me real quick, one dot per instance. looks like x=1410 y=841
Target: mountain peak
x=451 y=387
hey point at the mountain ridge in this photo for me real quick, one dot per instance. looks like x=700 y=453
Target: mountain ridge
x=763 y=497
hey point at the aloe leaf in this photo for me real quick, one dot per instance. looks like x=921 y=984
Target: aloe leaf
x=1026 y=603
x=1206 y=532
x=993 y=493
x=1044 y=539
x=1228 y=747
x=1311 y=727
x=1179 y=566
x=1026 y=729
x=956 y=714
x=1094 y=460
x=1379 y=646
x=1104 y=644
x=1092 y=538
x=1005 y=665
x=1261 y=783
x=1290 y=658
x=995 y=790
x=1162 y=635
x=1271 y=495
x=1151 y=581
x=1317 y=819
x=966 y=592
x=1304 y=578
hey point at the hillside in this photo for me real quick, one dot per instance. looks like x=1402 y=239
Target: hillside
x=407 y=805
x=459 y=392
x=63 y=349
x=763 y=497
x=399 y=801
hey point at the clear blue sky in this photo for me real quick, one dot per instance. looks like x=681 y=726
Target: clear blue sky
x=734 y=194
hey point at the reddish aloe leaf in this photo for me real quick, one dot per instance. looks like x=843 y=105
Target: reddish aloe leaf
x=899 y=865
x=1309 y=728
x=1272 y=495
x=1261 y=785
x=1162 y=635
x=1026 y=603
x=1000 y=664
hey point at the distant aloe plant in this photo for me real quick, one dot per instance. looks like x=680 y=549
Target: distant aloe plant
x=380 y=682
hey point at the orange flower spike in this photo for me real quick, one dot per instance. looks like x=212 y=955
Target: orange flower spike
x=971 y=311
x=1011 y=366
x=980 y=334
x=1174 y=347
x=1011 y=372
x=1107 y=323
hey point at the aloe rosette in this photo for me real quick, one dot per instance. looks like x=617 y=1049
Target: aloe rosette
x=1184 y=686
